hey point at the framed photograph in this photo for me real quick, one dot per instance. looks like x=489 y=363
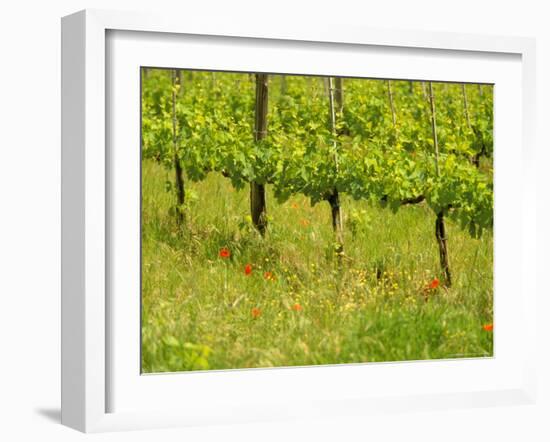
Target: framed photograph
x=273 y=223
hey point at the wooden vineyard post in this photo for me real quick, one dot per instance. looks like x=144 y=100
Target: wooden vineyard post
x=465 y=102
x=213 y=80
x=390 y=96
x=338 y=97
x=283 y=85
x=476 y=157
x=325 y=85
x=334 y=197
x=180 y=187
x=257 y=191
x=180 y=81
x=440 y=233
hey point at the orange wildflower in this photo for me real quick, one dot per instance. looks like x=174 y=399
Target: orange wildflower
x=224 y=252
x=247 y=269
x=488 y=327
x=297 y=307
x=269 y=276
x=255 y=312
x=434 y=284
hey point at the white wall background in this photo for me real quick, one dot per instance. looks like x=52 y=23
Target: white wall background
x=30 y=216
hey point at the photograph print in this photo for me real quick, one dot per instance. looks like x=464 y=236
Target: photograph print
x=295 y=220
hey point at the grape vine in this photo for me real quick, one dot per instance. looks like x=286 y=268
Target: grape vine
x=387 y=142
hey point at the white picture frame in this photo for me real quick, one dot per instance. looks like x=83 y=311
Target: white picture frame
x=87 y=353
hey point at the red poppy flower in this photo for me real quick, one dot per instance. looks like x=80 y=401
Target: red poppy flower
x=256 y=312
x=247 y=269
x=269 y=276
x=488 y=327
x=224 y=252
x=434 y=284
x=297 y=307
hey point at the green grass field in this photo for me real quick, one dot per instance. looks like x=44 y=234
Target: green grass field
x=201 y=311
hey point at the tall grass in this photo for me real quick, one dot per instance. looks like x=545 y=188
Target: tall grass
x=200 y=311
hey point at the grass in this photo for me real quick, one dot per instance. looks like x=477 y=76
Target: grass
x=200 y=311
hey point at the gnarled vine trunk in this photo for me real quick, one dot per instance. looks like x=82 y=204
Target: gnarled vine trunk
x=334 y=197
x=180 y=186
x=440 y=234
x=336 y=212
x=441 y=238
